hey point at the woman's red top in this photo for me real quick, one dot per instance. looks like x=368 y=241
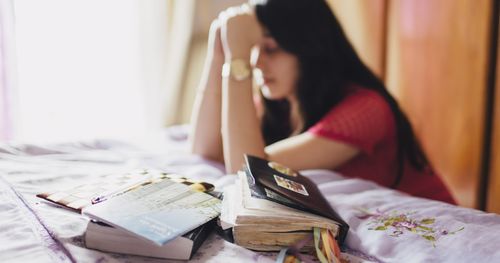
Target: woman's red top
x=364 y=120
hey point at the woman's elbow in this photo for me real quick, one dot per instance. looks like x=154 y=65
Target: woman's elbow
x=206 y=152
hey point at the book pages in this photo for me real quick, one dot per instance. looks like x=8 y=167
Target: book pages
x=264 y=225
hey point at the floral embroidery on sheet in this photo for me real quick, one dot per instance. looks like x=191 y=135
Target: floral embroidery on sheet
x=399 y=223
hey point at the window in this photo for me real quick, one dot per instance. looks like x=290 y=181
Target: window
x=79 y=70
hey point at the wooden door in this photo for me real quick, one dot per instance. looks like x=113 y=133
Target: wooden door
x=437 y=68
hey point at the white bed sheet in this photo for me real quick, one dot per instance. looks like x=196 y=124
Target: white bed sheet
x=35 y=231
x=32 y=230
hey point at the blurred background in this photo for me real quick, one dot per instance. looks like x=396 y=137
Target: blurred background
x=83 y=69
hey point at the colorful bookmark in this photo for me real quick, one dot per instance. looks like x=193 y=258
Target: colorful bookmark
x=326 y=247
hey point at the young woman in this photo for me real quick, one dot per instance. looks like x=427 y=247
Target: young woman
x=320 y=107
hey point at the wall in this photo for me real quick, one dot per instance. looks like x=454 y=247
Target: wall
x=364 y=24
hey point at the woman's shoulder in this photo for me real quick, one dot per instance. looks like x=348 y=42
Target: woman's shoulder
x=360 y=93
x=360 y=101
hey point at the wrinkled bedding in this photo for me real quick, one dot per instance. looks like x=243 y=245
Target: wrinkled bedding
x=385 y=225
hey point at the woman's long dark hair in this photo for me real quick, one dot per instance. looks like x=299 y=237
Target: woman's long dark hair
x=327 y=63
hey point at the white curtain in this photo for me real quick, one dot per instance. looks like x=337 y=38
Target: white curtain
x=166 y=28
x=7 y=68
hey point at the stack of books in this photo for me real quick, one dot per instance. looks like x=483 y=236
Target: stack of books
x=271 y=207
x=143 y=213
x=165 y=219
x=166 y=216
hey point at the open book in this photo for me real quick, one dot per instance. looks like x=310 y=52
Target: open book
x=157 y=212
x=109 y=185
x=271 y=207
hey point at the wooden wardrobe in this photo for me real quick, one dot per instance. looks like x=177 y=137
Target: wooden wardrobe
x=439 y=59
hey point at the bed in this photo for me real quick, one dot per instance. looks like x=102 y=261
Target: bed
x=385 y=225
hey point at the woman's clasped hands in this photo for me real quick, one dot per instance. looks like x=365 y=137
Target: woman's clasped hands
x=240 y=31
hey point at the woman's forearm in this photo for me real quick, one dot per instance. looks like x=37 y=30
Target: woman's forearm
x=205 y=135
x=241 y=132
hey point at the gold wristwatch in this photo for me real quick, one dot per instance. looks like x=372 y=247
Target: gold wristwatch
x=238 y=69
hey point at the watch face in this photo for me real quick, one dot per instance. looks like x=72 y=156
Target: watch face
x=240 y=69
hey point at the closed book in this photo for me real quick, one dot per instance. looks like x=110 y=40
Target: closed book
x=106 y=238
x=276 y=182
x=266 y=218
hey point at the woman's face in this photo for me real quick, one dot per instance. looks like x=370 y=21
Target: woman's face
x=276 y=71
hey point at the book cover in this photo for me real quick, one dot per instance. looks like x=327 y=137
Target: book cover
x=290 y=188
x=106 y=238
x=157 y=212
x=262 y=192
